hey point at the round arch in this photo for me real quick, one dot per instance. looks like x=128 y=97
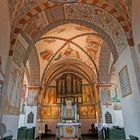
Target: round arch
x=60 y=65
x=102 y=21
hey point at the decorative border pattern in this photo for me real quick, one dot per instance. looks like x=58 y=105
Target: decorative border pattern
x=121 y=23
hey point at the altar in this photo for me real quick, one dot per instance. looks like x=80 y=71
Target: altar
x=69 y=92
x=68 y=130
x=69 y=126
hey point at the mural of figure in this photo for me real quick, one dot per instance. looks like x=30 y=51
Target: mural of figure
x=83 y=112
x=46 y=55
x=55 y=112
x=68 y=51
x=16 y=85
x=87 y=95
x=14 y=89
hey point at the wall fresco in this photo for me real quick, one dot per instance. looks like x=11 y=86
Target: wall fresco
x=18 y=53
x=13 y=95
x=106 y=97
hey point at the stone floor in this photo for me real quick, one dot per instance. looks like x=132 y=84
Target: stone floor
x=53 y=138
x=83 y=138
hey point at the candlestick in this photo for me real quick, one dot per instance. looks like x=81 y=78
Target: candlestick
x=97 y=117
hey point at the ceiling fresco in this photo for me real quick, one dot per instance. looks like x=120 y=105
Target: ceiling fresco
x=69 y=41
x=35 y=24
x=19 y=7
x=55 y=42
x=123 y=6
x=111 y=16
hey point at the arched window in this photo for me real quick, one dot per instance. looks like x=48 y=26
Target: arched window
x=108 y=117
x=30 y=118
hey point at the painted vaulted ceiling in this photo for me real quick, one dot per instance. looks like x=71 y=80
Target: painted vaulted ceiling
x=19 y=7
x=92 y=32
x=69 y=41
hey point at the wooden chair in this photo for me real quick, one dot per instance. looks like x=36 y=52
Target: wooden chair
x=92 y=130
x=47 y=131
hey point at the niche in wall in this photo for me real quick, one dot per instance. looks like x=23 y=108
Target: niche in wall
x=108 y=117
x=30 y=118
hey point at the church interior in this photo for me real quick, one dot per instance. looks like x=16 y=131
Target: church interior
x=69 y=69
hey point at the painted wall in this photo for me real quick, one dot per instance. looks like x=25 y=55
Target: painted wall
x=4 y=41
x=4 y=33
x=130 y=103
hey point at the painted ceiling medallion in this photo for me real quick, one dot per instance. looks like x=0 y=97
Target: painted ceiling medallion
x=63 y=1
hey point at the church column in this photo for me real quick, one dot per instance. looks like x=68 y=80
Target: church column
x=4 y=45
x=127 y=71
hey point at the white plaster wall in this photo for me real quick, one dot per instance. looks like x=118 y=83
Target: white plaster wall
x=136 y=20
x=23 y=117
x=118 y=118
x=4 y=33
x=131 y=103
x=11 y=122
x=21 y=120
x=28 y=110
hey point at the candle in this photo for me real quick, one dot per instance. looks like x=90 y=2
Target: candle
x=97 y=117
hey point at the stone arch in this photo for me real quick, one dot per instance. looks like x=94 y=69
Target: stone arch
x=60 y=65
x=117 y=29
x=101 y=33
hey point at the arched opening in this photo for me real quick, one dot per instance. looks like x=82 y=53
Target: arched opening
x=70 y=49
x=74 y=43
